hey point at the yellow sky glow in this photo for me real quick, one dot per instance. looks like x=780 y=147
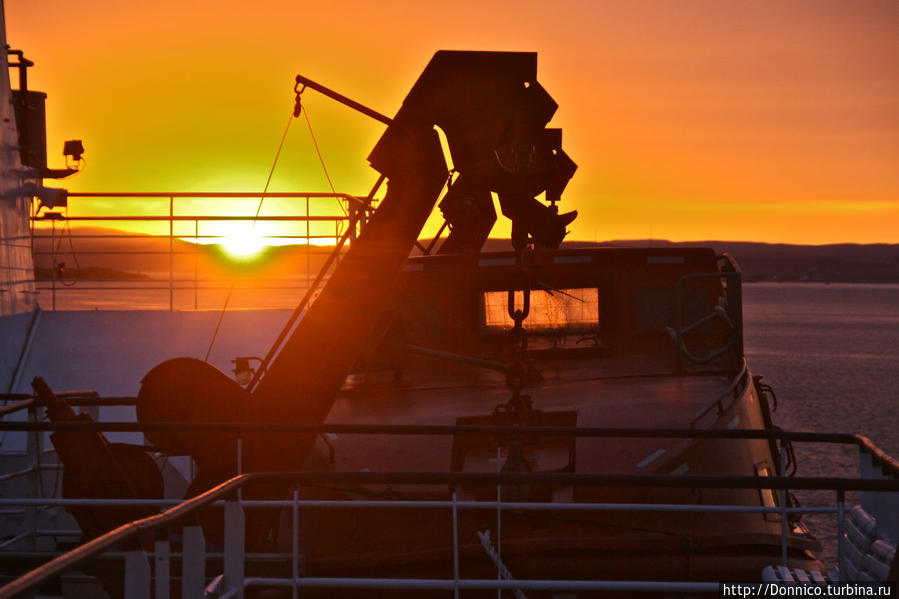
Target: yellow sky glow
x=756 y=121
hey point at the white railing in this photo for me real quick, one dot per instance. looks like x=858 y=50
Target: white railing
x=170 y=242
x=152 y=569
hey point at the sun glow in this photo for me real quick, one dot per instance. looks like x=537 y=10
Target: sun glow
x=243 y=244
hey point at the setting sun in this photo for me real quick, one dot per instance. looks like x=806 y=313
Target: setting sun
x=242 y=244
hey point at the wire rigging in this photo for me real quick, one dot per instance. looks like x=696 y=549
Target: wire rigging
x=268 y=181
x=299 y=108
x=272 y=170
x=318 y=152
x=317 y=149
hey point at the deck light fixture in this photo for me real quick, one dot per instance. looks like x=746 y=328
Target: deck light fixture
x=73 y=148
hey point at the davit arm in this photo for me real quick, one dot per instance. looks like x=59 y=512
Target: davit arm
x=493 y=113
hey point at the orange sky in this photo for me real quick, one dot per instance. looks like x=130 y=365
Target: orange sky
x=762 y=121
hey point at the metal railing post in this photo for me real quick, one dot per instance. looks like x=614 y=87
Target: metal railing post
x=171 y=253
x=234 y=549
x=455 y=546
x=137 y=575
x=196 y=258
x=33 y=450
x=308 y=248
x=678 y=326
x=295 y=543
x=53 y=262
x=193 y=563
x=841 y=498
x=351 y=207
x=784 y=521
x=31 y=217
x=162 y=569
x=154 y=285
x=239 y=464
x=499 y=521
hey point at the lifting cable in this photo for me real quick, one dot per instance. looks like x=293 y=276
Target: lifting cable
x=318 y=152
x=297 y=109
x=255 y=218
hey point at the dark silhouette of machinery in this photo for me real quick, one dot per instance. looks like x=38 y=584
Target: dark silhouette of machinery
x=493 y=113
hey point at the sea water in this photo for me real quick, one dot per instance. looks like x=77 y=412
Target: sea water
x=831 y=353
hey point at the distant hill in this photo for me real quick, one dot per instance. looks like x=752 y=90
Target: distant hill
x=99 y=253
x=110 y=258
x=90 y=272
x=835 y=263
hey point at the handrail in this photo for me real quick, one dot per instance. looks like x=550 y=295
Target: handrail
x=437 y=429
x=863 y=443
x=85 y=398
x=879 y=456
x=90 y=398
x=24 y=401
x=740 y=379
x=451 y=479
x=224 y=195
x=17 y=406
x=208 y=194
x=302 y=219
x=124 y=532
x=145 y=525
x=335 y=218
x=129 y=531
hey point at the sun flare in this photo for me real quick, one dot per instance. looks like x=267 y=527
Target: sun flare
x=243 y=244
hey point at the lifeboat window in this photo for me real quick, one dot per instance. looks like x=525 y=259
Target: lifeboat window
x=551 y=310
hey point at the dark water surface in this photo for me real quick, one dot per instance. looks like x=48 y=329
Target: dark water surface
x=831 y=352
